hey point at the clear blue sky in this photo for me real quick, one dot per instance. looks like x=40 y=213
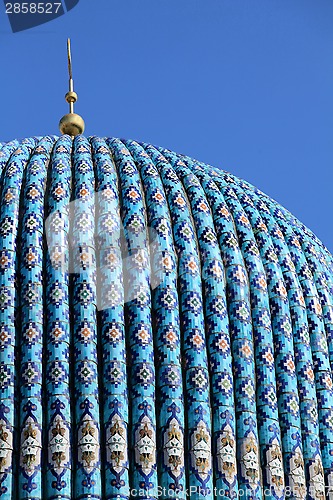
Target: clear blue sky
x=246 y=85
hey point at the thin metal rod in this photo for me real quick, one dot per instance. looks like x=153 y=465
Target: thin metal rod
x=70 y=72
x=69 y=58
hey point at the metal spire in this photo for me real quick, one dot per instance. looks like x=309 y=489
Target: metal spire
x=71 y=124
x=71 y=83
x=69 y=54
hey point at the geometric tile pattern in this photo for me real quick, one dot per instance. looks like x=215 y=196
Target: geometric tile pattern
x=166 y=330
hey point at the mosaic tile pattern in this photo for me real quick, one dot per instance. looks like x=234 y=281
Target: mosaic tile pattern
x=166 y=330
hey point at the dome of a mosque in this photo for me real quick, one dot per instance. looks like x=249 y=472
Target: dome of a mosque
x=165 y=330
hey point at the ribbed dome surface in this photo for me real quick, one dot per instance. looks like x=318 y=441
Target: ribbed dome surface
x=163 y=324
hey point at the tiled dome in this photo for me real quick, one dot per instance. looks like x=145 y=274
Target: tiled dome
x=162 y=324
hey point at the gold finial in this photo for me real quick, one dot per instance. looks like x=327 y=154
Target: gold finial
x=71 y=124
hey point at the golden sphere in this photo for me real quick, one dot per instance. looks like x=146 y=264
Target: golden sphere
x=71 y=96
x=71 y=124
